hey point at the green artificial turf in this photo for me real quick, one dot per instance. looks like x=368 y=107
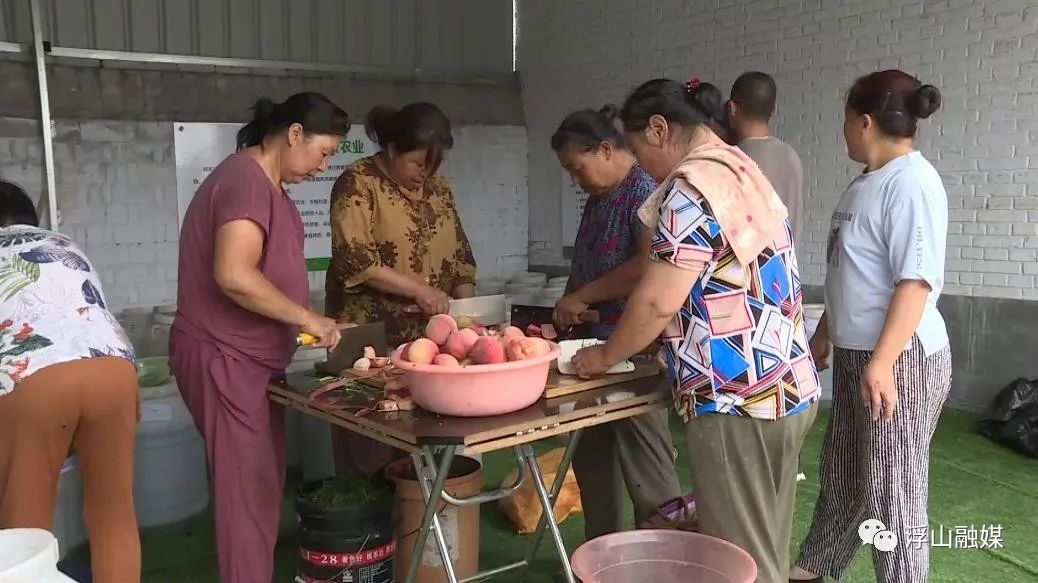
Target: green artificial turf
x=973 y=482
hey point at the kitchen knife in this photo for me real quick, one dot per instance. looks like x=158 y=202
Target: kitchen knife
x=486 y=310
x=523 y=316
x=351 y=346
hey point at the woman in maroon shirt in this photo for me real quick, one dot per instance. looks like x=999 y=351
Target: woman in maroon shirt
x=243 y=297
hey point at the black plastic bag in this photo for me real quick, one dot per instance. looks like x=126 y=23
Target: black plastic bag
x=1012 y=419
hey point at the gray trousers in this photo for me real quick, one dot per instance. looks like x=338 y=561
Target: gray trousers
x=636 y=453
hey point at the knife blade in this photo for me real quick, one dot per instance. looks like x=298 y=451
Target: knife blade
x=351 y=346
x=487 y=310
x=523 y=316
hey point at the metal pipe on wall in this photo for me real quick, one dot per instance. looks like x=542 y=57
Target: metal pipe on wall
x=45 y=121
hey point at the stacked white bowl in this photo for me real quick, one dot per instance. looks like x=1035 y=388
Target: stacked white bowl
x=524 y=288
x=552 y=294
x=490 y=286
x=561 y=281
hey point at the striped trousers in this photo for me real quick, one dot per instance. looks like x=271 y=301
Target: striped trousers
x=878 y=470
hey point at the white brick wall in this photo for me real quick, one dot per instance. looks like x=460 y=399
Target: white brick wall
x=981 y=54
x=117 y=197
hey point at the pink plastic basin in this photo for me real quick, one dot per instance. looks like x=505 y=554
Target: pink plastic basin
x=662 y=556
x=477 y=390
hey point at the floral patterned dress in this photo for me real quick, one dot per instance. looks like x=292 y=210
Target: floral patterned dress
x=52 y=309
x=375 y=223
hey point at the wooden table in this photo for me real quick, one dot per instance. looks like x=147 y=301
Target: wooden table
x=433 y=441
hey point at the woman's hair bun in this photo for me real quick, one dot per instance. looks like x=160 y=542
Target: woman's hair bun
x=707 y=98
x=609 y=111
x=923 y=102
x=264 y=108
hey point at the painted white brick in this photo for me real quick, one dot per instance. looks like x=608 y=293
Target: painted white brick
x=982 y=54
x=1009 y=267
x=117 y=195
x=997 y=228
x=969 y=278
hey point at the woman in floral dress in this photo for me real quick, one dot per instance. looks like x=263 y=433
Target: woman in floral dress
x=399 y=251
x=67 y=382
x=397 y=239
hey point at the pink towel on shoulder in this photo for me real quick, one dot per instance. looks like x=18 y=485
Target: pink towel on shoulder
x=745 y=205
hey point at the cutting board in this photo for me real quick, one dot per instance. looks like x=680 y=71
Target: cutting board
x=559 y=385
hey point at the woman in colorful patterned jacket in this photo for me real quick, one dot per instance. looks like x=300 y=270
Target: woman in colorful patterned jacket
x=609 y=255
x=722 y=287
x=399 y=251
x=67 y=383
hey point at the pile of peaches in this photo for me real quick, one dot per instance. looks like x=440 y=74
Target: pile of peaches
x=452 y=343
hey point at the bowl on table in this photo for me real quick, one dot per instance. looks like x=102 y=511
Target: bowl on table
x=477 y=390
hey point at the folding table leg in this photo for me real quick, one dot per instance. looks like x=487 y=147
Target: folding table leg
x=548 y=505
x=432 y=488
x=560 y=478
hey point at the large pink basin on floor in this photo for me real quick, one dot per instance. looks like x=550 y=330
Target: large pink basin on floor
x=477 y=390
x=662 y=556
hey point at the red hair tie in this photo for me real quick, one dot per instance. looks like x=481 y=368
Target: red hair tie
x=692 y=85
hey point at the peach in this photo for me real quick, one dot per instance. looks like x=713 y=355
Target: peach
x=548 y=332
x=445 y=360
x=526 y=348
x=488 y=350
x=459 y=344
x=512 y=332
x=439 y=328
x=421 y=351
x=533 y=330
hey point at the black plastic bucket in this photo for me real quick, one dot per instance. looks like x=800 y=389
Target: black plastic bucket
x=353 y=544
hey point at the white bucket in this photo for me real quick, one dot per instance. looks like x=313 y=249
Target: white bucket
x=29 y=555
x=69 y=527
x=812 y=317
x=317 y=301
x=171 y=480
x=137 y=322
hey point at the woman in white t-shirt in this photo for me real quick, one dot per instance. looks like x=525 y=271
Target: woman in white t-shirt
x=888 y=341
x=67 y=382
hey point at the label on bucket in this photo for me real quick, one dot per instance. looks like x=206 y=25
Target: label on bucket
x=357 y=559
x=449 y=525
x=364 y=566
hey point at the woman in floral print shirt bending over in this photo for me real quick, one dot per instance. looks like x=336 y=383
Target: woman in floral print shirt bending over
x=67 y=382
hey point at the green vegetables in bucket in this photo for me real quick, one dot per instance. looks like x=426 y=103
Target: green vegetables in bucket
x=153 y=371
x=344 y=491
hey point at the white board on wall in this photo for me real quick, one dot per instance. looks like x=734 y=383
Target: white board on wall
x=573 y=201
x=200 y=147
